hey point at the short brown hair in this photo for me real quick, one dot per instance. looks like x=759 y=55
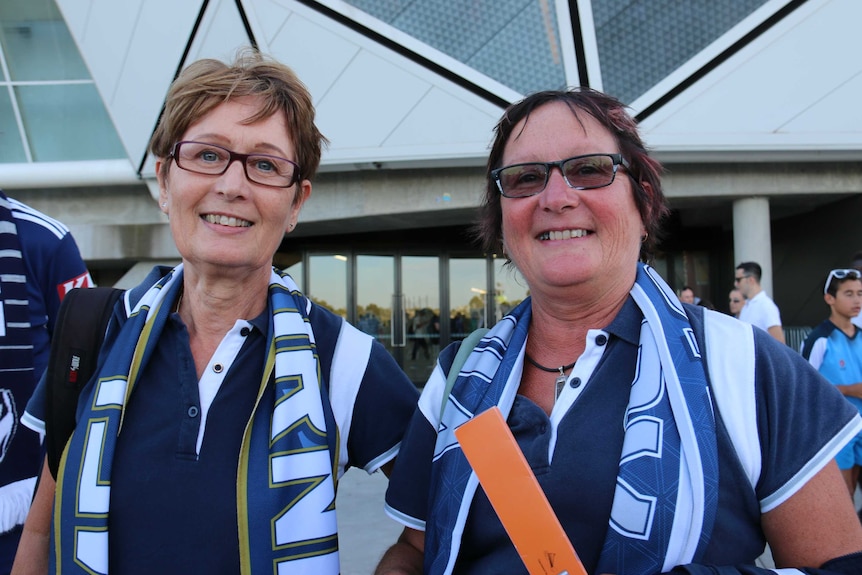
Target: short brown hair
x=207 y=83
x=644 y=170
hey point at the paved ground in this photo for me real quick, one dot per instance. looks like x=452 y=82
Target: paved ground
x=364 y=529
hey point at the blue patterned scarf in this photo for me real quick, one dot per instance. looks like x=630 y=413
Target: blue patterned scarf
x=667 y=486
x=285 y=479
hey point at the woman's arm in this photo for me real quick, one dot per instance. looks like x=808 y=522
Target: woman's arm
x=816 y=524
x=405 y=557
x=816 y=531
x=32 y=555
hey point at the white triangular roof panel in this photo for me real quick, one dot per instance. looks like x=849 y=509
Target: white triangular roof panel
x=461 y=124
x=315 y=53
x=220 y=34
x=835 y=112
x=131 y=48
x=788 y=90
x=374 y=104
x=269 y=17
x=370 y=99
x=351 y=113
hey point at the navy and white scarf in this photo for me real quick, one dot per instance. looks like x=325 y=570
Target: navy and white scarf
x=285 y=479
x=667 y=486
x=19 y=446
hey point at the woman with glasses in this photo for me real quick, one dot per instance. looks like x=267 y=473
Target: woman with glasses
x=226 y=404
x=666 y=437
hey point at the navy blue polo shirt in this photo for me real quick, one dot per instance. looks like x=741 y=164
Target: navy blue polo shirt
x=585 y=435
x=578 y=491
x=174 y=510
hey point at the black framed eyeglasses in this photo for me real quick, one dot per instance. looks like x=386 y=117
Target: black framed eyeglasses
x=840 y=275
x=580 y=172
x=212 y=160
x=736 y=280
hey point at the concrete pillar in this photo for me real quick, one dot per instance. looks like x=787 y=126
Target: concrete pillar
x=752 y=240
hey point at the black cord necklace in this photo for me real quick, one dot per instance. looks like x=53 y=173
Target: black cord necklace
x=561 y=378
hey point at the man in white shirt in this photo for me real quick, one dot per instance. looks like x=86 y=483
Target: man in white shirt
x=759 y=309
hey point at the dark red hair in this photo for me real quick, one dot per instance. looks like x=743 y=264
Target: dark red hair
x=644 y=170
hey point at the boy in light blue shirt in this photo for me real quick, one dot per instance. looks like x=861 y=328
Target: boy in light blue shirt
x=834 y=348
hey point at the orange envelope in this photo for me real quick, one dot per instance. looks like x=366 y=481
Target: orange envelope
x=516 y=496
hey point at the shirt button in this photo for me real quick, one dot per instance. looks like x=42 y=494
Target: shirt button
x=601 y=339
x=218 y=368
x=193 y=411
x=575 y=382
x=244 y=332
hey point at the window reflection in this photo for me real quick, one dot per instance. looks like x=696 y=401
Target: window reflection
x=375 y=288
x=37 y=43
x=327 y=282
x=420 y=277
x=468 y=283
x=510 y=288
x=62 y=117
x=295 y=271
x=67 y=122
x=11 y=147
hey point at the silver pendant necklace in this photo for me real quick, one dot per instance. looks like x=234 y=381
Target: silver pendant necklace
x=560 y=381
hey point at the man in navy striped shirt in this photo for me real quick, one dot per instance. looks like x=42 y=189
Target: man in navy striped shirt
x=39 y=263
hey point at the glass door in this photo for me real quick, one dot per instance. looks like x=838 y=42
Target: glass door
x=327 y=281
x=375 y=298
x=510 y=289
x=420 y=289
x=468 y=296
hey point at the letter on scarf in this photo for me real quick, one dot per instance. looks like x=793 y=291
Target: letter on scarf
x=299 y=425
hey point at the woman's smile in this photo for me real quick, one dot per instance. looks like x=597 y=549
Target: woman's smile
x=563 y=234
x=229 y=221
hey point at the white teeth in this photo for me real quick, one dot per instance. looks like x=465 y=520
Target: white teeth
x=563 y=235
x=227 y=221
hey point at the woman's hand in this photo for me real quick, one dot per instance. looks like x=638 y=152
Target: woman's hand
x=405 y=557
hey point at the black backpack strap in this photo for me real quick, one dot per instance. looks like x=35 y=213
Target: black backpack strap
x=80 y=329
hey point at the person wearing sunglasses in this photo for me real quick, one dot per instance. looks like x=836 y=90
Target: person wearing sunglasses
x=834 y=348
x=241 y=401
x=759 y=309
x=667 y=437
x=856 y=263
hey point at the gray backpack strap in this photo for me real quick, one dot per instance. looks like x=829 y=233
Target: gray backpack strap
x=464 y=351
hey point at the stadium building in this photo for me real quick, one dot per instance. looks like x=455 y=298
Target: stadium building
x=752 y=105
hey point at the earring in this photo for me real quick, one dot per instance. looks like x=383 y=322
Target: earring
x=164 y=204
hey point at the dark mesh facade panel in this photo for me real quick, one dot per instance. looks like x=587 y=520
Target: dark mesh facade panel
x=515 y=42
x=641 y=42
